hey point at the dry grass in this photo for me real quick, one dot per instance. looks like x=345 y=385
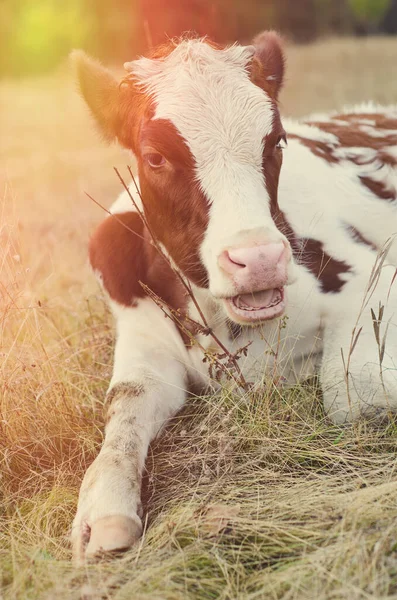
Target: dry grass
x=309 y=509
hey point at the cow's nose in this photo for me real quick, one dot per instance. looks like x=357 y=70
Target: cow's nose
x=264 y=265
x=252 y=259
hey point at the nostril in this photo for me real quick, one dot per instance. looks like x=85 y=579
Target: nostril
x=235 y=259
x=229 y=263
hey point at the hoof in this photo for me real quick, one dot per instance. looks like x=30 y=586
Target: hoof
x=110 y=535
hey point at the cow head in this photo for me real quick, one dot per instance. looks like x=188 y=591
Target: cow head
x=204 y=126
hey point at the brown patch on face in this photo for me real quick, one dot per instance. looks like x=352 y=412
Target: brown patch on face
x=121 y=252
x=266 y=70
x=175 y=207
x=271 y=166
x=310 y=254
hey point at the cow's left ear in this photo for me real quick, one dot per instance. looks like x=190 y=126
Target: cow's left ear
x=100 y=90
x=270 y=53
x=113 y=106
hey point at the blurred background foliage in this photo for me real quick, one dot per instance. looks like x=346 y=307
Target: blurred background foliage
x=36 y=35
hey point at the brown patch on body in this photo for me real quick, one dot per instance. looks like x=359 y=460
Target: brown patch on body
x=325 y=268
x=379 y=120
x=357 y=236
x=379 y=188
x=320 y=149
x=353 y=131
x=354 y=134
x=310 y=254
x=121 y=252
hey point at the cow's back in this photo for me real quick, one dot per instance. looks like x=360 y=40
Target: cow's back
x=339 y=180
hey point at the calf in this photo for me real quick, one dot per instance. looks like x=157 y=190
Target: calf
x=220 y=236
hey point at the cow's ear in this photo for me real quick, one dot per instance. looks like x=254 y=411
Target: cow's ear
x=100 y=90
x=270 y=53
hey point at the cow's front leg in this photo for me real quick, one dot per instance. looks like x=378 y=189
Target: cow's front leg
x=146 y=390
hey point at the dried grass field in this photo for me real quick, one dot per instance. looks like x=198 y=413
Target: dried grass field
x=246 y=498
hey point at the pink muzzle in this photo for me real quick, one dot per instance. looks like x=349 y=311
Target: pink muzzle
x=259 y=274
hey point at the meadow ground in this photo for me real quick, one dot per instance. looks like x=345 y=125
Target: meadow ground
x=247 y=497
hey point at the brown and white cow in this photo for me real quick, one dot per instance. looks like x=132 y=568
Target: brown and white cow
x=252 y=242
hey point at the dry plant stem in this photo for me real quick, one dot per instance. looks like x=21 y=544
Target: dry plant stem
x=277 y=351
x=241 y=380
x=175 y=316
x=376 y=322
x=369 y=291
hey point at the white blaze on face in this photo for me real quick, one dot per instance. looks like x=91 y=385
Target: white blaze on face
x=223 y=118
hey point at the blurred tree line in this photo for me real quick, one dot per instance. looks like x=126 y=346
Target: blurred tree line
x=35 y=35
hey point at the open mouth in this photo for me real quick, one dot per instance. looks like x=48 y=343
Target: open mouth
x=256 y=306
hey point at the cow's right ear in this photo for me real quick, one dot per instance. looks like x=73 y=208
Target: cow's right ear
x=269 y=50
x=101 y=91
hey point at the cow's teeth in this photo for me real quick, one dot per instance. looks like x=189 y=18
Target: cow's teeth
x=243 y=305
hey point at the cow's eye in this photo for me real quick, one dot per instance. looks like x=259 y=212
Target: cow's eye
x=155 y=160
x=282 y=141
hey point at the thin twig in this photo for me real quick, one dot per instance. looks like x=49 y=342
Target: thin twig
x=116 y=217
